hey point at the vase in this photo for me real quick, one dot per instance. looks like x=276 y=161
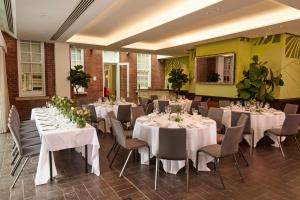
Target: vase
x=80 y=122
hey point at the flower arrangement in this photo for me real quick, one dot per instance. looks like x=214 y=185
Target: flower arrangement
x=69 y=109
x=178 y=110
x=112 y=99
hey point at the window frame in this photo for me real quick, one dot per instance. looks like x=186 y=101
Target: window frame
x=149 y=71
x=19 y=54
x=81 y=90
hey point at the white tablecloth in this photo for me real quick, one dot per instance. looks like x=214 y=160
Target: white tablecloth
x=62 y=138
x=184 y=103
x=200 y=132
x=260 y=122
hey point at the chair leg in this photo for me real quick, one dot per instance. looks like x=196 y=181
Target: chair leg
x=197 y=155
x=111 y=149
x=219 y=172
x=16 y=179
x=156 y=172
x=149 y=154
x=112 y=161
x=14 y=159
x=13 y=153
x=297 y=143
x=187 y=168
x=251 y=143
x=13 y=171
x=125 y=163
x=279 y=142
x=244 y=158
x=238 y=168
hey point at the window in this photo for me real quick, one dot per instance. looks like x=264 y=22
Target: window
x=77 y=58
x=143 y=71
x=110 y=57
x=31 y=68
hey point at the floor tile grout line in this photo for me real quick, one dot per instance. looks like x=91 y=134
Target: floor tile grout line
x=111 y=188
x=88 y=191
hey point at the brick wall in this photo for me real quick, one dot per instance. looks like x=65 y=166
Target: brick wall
x=123 y=81
x=24 y=105
x=157 y=73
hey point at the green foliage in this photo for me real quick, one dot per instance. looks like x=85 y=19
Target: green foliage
x=259 y=82
x=78 y=78
x=213 y=77
x=177 y=78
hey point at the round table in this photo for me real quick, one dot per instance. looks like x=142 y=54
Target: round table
x=260 y=122
x=201 y=131
x=184 y=103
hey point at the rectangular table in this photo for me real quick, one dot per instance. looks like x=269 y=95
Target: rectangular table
x=62 y=138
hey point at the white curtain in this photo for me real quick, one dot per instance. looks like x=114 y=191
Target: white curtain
x=4 y=103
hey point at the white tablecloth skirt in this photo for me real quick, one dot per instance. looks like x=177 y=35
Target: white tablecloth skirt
x=56 y=140
x=196 y=138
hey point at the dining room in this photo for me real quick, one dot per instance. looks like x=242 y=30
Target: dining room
x=137 y=99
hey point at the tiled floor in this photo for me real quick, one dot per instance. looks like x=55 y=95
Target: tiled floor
x=269 y=176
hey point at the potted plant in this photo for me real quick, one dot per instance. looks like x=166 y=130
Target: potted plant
x=259 y=82
x=78 y=78
x=177 y=78
x=213 y=77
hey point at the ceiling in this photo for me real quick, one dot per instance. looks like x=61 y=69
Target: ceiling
x=168 y=27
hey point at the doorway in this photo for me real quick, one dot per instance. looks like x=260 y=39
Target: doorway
x=110 y=78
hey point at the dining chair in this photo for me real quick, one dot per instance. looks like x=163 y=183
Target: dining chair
x=194 y=105
x=229 y=147
x=140 y=101
x=136 y=112
x=124 y=113
x=93 y=119
x=172 y=146
x=204 y=104
x=198 y=98
x=224 y=103
x=150 y=108
x=240 y=119
x=203 y=111
x=153 y=97
x=217 y=115
x=289 y=128
x=290 y=108
x=162 y=105
x=145 y=102
x=129 y=99
x=129 y=144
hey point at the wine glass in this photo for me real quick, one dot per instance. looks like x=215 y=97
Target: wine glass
x=194 y=111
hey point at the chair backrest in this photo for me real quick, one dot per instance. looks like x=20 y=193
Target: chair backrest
x=92 y=110
x=230 y=143
x=236 y=120
x=15 y=132
x=140 y=100
x=290 y=124
x=194 y=105
x=172 y=143
x=203 y=111
x=290 y=108
x=216 y=114
x=150 y=108
x=111 y=115
x=162 y=105
x=224 y=103
x=129 y=99
x=204 y=104
x=136 y=112
x=198 y=98
x=124 y=113
x=118 y=132
x=145 y=102
x=153 y=97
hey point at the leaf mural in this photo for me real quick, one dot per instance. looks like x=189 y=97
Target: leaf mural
x=292 y=47
x=267 y=40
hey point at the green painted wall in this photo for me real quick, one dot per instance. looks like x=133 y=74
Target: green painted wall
x=282 y=52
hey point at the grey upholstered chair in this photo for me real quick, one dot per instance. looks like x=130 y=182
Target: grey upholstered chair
x=150 y=108
x=224 y=103
x=289 y=128
x=217 y=115
x=198 y=98
x=290 y=108
x=26 y=148
x=124 y=113
x=153 y=97
x=162 y=105
x=204 y=104
x=136 y=112
x=194 y=105
x=94 y=120
x=229 y=147
x=172 y=146
x=145 y=102
x=203 y=111
x=122 y=141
